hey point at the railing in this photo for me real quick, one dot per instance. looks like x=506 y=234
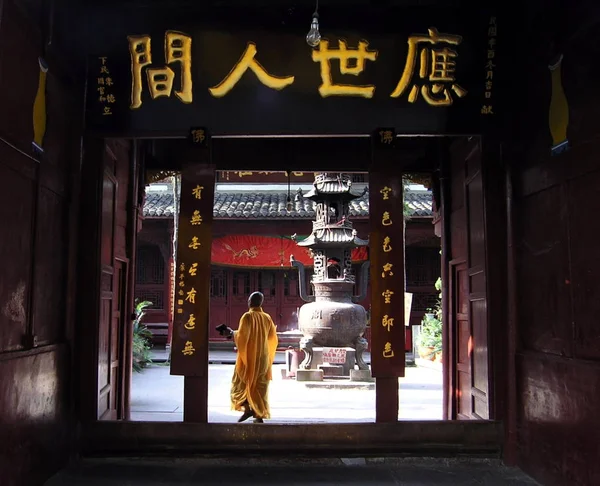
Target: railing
x=346 y=224
x=332 y=177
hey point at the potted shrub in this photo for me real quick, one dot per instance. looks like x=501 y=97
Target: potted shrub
x=141 y=336
x=430 y=337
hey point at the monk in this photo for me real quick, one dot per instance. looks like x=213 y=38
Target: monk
x=256 y=341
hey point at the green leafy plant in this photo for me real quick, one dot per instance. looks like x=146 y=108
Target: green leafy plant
x=430 y=337
x=141 y=338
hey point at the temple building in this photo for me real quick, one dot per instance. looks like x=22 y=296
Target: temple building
x=254 y=253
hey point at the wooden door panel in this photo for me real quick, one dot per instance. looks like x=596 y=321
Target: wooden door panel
x=105 y=325
x=104 y=404
x=113 y=319
x=463 y=355
x=477 y=291
x=272 y=311
x=241 y=285
x=113 y=391
x=219 y=314
x=219 y=305
x=475 y=217
x=115 y=340
x=463 y=409
x=108 y=219
x=291 y=288
x=480 y=357
x=468 y=287
x=152 y=283
x=462 y=337
x=118 y=324
x=104 y=358
x=479 y=404
x=290 y=302
x=480 y=364
x=268 y=283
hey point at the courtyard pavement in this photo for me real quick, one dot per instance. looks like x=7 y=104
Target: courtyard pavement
x=158 y=396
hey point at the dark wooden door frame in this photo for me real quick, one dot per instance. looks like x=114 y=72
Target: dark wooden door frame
x=474 y=270
x=109 y=270
x=116 y=436
x=473 y=158
x=449 y=329
x=125 y=337
x=446 y=391
x=89 y=272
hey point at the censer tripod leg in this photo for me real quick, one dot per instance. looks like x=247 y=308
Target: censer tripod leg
x=306 y=345
x=361 y=345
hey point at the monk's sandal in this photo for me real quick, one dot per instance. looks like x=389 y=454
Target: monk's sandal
x=247 y=414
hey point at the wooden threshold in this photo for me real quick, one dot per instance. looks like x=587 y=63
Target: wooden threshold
x=410 y=437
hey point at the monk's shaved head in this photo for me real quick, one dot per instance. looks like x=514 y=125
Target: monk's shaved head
x=256 y=299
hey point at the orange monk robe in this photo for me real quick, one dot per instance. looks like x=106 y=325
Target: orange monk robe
x=256 y=341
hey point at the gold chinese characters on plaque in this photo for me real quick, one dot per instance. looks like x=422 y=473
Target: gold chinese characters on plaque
x=430 y=70
x=488 y=105
x=105 y=88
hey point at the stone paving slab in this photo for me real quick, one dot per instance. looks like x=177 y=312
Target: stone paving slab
x=156 y=395
x=338 y=385
x=291 y=472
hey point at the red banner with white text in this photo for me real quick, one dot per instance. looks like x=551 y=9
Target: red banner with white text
x=264 y=251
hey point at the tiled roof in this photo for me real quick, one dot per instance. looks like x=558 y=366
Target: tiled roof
x=273 y=205
x=159 y=205
x=333 y=236
x=420 y=203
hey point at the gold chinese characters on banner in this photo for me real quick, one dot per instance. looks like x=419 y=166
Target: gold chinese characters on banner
x=190 y=331
x=387 y=275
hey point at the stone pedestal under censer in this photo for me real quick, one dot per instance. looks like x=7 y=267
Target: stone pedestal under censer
x=332 y=322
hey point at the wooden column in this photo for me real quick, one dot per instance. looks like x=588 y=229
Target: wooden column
x=88 y=274
x=387 y=399
x=501 y=290
x=189 y=351
x=386 y=249
x=134 y=204
x=448 y=365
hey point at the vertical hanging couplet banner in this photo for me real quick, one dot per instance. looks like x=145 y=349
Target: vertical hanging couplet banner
x=189 y=352
x=386 y=248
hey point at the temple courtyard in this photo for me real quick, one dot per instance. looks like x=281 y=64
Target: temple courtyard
x=158 y=396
